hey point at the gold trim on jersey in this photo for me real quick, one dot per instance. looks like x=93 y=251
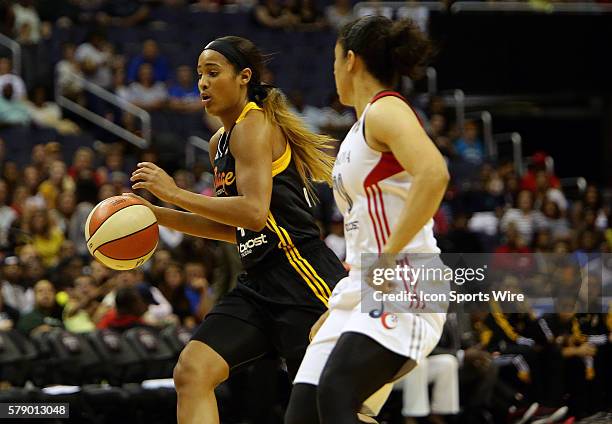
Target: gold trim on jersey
x=280 y=164
x=247 y=108
x=301 y=265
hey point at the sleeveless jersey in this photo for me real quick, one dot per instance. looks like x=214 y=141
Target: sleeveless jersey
x=290 y=220
x=370 y=189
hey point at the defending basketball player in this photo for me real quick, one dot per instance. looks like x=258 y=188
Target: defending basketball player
x=389 y=179
x=264 y=160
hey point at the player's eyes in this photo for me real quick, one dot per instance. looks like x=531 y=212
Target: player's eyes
x=213 y=73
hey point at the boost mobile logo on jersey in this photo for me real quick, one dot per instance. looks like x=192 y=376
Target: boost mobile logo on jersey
x=247 y=247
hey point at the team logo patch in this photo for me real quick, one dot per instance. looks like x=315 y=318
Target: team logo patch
x=389 y=321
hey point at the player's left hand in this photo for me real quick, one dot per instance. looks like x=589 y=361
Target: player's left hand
x=154 y=179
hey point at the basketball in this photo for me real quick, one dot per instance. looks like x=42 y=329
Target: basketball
x=121 y=232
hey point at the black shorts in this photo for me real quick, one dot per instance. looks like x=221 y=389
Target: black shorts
x=273 y=307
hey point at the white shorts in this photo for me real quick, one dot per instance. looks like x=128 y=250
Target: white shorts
x=407 y=334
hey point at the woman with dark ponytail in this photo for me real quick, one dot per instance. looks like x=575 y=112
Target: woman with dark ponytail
x=264 y=163
x=388 y=180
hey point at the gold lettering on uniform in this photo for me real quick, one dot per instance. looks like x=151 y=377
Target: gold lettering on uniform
x=223 y=179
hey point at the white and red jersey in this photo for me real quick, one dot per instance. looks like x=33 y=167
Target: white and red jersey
x=370 y=189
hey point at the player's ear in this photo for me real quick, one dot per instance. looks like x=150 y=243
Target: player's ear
x=245 y=76
x=350 y=60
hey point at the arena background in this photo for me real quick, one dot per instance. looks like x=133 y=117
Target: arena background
x=518 y=101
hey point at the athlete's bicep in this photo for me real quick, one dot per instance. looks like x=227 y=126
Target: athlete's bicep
x=405 y=137
x=252 y=151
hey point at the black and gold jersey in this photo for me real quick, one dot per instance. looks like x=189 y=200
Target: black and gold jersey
x=290 y=222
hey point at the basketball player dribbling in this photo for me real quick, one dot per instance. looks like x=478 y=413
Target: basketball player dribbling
x=264 y=159
x=389 y=179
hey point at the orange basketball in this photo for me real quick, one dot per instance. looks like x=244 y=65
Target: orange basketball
x=121 y=232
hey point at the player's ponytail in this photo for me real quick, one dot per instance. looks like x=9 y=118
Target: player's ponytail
x=410 y=48
x=310 y=151
x=388 y=48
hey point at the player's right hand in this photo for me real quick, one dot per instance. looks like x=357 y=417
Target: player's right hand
x=141 y=199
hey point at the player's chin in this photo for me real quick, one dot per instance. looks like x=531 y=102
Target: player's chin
x=213 y=107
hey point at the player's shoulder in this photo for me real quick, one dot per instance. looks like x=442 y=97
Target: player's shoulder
x=389 y=104
x=391 y=109
x=252 y=131
x=254 y=120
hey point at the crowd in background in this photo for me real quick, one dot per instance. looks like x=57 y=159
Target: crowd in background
x=49 y=280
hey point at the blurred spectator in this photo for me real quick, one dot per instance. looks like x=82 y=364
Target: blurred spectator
x=151 y=55
x=159 y=261
x=7 y=77
x=113 y=163
x=33 y=271
x=335 y=119
x=545 y=192
x=309 y=18
x=198 y=290
x=8 y=315
x=46 y=314
x=2 y=155
x=440 y=370
x=46 y=237
x=64 y=212
x=511 y=189
x=524 y=217
x=31 y=179
x=339 y=14
x=159 y=311
x=592 y=201
x=14 y=293
x=131 y=304
x=27 y=253
x=271 y=14
x=125 y=13
x=13 y=112
x=48 y=114
x=469 y=146
x=82 y=162
x=538 y=163
x=145 y=92
x=7 y=216
x=173 y=289
x=170 y=238
x=460 y=239
x=120 y=89
x=26 y=22
x=310 y=115
x=94 y=57
x=184 y=94
x=554 y=220
x=64 y=71
x=81 y=306
x=57 y=182
x=437 y=125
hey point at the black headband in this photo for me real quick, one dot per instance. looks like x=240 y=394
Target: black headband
x=257 y=91
x=230 y=52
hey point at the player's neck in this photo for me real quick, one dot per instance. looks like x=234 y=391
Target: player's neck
x=365 y=88
x=229 y=116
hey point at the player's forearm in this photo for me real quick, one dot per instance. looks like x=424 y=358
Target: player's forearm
x=421 y=204
x=194 y=224
x=237 y=211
